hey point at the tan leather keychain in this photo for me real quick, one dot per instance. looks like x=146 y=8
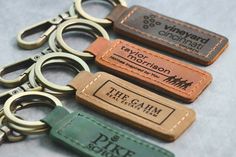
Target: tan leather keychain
x=164 y=33
x=121 y=100
x=167 y=75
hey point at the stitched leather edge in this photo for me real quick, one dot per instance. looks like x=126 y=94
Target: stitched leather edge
x=162 y=128
x=170 y=43
x=117 y=42
x=60 y=132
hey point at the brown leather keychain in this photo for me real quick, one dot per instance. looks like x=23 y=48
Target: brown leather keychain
x=167 y=75
x=161 y=32
x=121 y=100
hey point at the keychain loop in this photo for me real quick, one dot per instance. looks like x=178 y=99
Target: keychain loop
x=36 y=85
x=28 y=63
x=27 y=130
x=11 y=136
x=104 y=22
x=95 y=28
x=32 y=85
x=63 y=56
x=12 y=104
x=47 y=26
x=53 y=44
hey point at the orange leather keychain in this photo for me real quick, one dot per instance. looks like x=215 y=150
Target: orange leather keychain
x=167 y=75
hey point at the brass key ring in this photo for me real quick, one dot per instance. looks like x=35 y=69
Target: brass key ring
x=54 y=44
x=36 y=85
x=23 y=130
x=33 y=85
x=104 y=22
x=63 y=56
x=23 y=125
x=96 y=28
x=10 y=135
x=27 y=63
x=16 y=135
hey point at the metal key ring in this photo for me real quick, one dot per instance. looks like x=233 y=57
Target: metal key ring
x=104 y=22
x=28 y=130
x=99 y=30
x=23 y=130
x=27 y=63
x=36 y=85
x=33 y=85
x=11 y=137
x=18 y=133
x=64 y=56
x=52 y=39
x=11 y=105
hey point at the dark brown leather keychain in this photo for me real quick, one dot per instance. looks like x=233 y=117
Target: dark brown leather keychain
x=161 y=32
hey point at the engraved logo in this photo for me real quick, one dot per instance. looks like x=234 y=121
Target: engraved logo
x=150 y=21
x=105 y=146
x=178 y=82
x=143 y=63
x=133 y=103
x=171 y=31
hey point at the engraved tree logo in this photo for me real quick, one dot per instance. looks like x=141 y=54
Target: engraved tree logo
x=178 y=82
x=149 y=21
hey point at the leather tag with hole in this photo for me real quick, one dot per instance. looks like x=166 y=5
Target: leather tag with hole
x=132 y=105
x=164 y=33
x=159 y=72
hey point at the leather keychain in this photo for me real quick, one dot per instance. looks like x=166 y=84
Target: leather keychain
x=167 y=75
x=122 y=100
x=161 y=32
x=87 y=135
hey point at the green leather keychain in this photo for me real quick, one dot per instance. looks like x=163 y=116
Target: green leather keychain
x=87 y=135
x=91 y=136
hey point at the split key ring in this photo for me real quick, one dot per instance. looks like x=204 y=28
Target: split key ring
x=104 y=22
x=32 y=98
